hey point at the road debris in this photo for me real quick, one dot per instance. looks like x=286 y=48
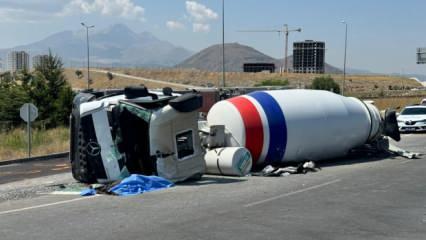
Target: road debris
x=403 y=153
x=301 y=168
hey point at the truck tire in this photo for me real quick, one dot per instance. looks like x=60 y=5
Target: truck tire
x=81 y=169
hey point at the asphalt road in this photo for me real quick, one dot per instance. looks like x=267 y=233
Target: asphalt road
x=35 y=169
x=375 y=199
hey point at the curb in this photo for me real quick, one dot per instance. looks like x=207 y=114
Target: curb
x=37 y=158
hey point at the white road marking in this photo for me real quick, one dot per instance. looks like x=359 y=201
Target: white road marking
x=292 y=193
x=64 y=193
x=406 y=161
x=10 y=165
x=46 y=205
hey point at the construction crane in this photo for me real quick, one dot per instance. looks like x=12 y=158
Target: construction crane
x=285 y=31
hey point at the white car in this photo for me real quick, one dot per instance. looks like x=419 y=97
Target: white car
x=412 y=119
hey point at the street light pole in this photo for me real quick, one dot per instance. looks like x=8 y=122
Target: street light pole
x=344 y=61
x=88 y=53
x=223 y=45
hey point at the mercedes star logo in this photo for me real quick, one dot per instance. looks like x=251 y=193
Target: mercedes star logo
x=93 y=149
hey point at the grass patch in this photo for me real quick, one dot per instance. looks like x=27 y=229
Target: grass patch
x=273 y=82
x=397 y=103
x=363 y=86
x=13 y=144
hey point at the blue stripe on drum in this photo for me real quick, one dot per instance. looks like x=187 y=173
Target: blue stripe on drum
x=277 y=127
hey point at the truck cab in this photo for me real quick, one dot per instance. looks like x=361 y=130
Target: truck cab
x=135 y=131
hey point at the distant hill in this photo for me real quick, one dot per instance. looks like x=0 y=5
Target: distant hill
x=210 y=59
x=117 y=46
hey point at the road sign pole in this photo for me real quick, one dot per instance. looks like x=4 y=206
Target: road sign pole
x=28 y=113
x=29 y=130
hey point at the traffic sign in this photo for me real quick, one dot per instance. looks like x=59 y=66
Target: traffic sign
x=28 y=112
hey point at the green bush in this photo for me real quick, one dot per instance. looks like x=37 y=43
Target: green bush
x=326 y=83
x=273 y=82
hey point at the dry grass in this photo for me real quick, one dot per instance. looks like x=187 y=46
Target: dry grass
x=354 y=83
x=396 y=102
x=375 y=87
x=100 y=81
x=13 y=144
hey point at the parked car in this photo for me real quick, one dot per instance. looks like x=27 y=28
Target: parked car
x=412 y=119
x=423 y=102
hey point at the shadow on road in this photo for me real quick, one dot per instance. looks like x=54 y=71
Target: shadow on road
x=357 y=157
x=210 y=180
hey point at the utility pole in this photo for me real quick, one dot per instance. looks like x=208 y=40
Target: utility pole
x=286 y=31
x=344 y=61
x=88 y=53
x=223 y=45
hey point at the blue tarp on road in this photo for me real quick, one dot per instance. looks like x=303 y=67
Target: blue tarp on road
x=88 y=192
x=138 y=184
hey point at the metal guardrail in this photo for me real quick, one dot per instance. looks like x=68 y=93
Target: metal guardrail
x=37 y=158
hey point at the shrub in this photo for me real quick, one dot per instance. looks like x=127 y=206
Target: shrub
x=326 y=83
x=273 y=82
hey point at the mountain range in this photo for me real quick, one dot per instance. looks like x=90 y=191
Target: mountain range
x=119 y=46
x=114 y=46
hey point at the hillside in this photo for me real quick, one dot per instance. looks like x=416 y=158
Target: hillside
x=210 y=59
x=114 y=46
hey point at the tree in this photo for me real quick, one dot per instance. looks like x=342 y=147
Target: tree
x=79 y=74
x=6 y=78
x=273 y=82
x=53 y=72
x=326 y=83
x=12 y=97
x=110 y=76
x=46 y=88
x=51 y=92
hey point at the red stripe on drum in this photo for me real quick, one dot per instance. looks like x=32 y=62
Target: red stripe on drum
x=252 y=124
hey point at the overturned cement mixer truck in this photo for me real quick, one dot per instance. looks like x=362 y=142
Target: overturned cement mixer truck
x=161 y=133
x=283 y=126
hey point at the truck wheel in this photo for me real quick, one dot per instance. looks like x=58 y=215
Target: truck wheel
x=81 y=169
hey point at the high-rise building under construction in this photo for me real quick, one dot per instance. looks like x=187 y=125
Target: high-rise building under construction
x=308 y=57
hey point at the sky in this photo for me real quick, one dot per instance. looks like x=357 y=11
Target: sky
x=382 y=34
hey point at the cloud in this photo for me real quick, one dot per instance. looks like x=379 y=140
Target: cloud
x=175 y=25
x=121 y=8
x=39 y=10
x=200 y=27
x=30 y=11
x=199 y=12
x=200 y=16
x=21 y=15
